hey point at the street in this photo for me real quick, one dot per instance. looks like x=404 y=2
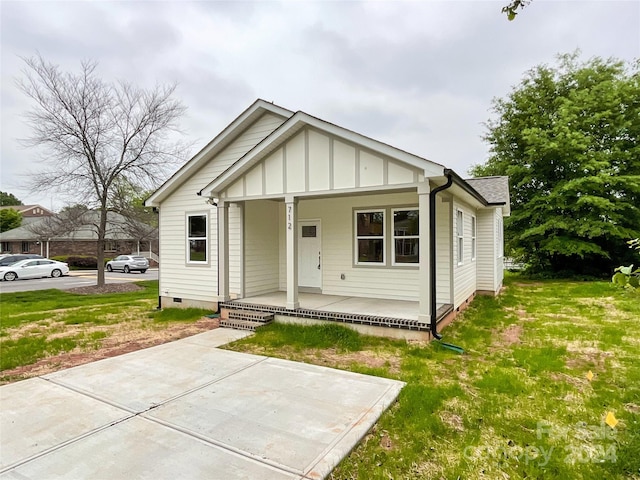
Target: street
x=76 y=278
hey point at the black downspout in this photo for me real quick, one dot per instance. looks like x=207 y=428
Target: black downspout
x=432 y=249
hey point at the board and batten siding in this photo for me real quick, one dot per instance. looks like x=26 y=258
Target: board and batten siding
x=200 y=282
x=311 y=161
x=464 y=274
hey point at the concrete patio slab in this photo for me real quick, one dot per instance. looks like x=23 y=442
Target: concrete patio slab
x=37 y=416
x=138 y=448
x=188 y=410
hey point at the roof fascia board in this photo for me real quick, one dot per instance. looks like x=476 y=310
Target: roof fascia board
x=204 y=154
x=300 y=118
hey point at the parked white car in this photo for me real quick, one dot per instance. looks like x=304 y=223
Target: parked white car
x=33 y=268
x=128 y=263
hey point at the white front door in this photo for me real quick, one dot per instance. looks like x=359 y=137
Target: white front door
x=309 y=254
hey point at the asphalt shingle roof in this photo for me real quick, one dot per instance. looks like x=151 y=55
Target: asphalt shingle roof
x=493 y=189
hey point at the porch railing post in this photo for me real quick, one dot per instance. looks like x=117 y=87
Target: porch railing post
x=424 y=281
x=291 y=227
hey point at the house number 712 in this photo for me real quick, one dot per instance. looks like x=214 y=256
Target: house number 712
x=289 y=210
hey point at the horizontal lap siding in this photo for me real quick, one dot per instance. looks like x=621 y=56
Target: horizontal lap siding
x=336 y=215
x=197 y=282
x=443 y=250
x=498 y=248
x=235 y=251
x=486 y=250
x=464 y=276
x=261 y=250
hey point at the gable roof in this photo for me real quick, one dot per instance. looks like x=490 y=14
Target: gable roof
x=26 y=209
x=293 y=125
x=219 y=142
x=494 y=189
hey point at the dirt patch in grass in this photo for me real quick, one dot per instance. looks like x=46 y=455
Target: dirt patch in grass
x=582 y=355
x=511 y=335
x=452 y=420
x=108 y=288
x=368 y=358
x=124 y=339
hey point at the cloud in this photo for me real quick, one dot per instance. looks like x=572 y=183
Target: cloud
x=417 y=75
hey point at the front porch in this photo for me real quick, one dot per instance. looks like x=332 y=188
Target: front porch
x=393 y=318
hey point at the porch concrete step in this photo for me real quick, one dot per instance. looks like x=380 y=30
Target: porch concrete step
x=237 y=324
x=260 y=317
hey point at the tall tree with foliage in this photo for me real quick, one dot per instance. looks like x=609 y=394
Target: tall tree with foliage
x=568 y=137
x=96 y=133
x=9 y=219
x=9 y=199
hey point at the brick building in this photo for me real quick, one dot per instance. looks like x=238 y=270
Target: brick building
x=55 y=235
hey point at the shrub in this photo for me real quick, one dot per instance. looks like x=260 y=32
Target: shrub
x=78 y=262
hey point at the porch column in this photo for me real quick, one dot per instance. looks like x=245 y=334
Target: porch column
x=424 y=273
x=291 y=226
x=223 y=251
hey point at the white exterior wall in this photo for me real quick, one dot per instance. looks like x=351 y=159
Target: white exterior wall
x=337 y=217
x=464 y=274
x=444 y=243
x=200 y=282
x=236 y=250
x=499 y=249
x=261 y=249
x=486 y=250
x=310 y=161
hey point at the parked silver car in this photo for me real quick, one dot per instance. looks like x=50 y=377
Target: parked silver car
x=128 y=263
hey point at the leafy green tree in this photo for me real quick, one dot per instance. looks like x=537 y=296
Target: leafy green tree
x=9 y=219
x=568 y=137
x=8 y=199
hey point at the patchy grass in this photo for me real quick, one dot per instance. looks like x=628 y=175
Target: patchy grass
x=517 y=404
x=47 y=330
x=179 y=314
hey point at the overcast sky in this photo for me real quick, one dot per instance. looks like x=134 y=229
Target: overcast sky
x=418 y=75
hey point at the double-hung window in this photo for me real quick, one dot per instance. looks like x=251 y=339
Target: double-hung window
x=460 y=235
x=197 y=240
x=473 y=238
x=370 y=245
x=406 y=237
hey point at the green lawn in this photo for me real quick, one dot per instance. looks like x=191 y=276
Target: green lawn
x=517 y=404
x=41 y=325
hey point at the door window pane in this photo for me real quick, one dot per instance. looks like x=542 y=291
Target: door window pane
x=308 y=231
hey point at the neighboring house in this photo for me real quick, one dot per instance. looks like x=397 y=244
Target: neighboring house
x=288 y=214
x=56 y=235
x=29 y=211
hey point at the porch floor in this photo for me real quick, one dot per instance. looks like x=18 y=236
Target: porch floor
x=374 y=307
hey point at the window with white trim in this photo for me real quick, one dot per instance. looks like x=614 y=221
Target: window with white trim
x=473 y=238
x=406 y=236
x=370 y=244
x=197 y=239
x=460 y=235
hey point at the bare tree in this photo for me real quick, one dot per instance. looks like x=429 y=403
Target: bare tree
x=95 y=133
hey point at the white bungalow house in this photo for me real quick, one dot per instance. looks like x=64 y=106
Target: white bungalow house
x=286 y=214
